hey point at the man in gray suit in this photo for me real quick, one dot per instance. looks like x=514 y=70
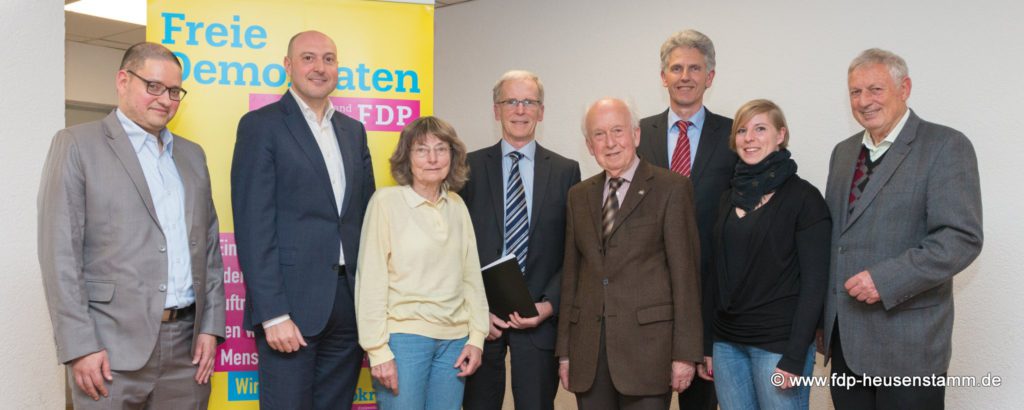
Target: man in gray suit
x=129 y=249
x=906 y=206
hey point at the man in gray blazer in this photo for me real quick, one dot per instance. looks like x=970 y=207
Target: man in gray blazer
x=129 y=249
x=906 y=210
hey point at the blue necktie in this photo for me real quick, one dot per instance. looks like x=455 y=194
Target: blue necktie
x=517 y=221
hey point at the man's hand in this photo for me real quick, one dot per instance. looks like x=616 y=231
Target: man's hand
x=706 y=370
x=285 y=337
x=387 y=375
x=90 y=372
x=787 y=378
x=206 y=348
x=468 y=361
x=862 y=288
x=563 y=373
x=544 y=311
x=682 y=375
x=497 y=328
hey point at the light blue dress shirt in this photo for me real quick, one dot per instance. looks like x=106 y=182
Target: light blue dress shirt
x=696 y=127
x=168 y=194
x=526 y=163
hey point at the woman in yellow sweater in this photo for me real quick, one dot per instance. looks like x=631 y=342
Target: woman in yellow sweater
x=420 y=302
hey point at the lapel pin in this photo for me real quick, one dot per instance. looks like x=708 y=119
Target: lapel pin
x=641 y=192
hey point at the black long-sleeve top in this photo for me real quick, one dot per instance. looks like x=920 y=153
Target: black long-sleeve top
x=770 y=273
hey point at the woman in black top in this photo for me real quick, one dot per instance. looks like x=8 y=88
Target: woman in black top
x=770 y=271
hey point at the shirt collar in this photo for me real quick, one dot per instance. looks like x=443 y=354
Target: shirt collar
x=308 y=112
x=138 y=136
x=414 y=200
x=889 y=139
x=628 y=175
x=528 y=150
x=697 y=119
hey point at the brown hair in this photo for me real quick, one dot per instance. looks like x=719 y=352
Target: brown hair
x=417 y=131
x=751 y=109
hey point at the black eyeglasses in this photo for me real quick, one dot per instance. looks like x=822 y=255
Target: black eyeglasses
x=157 y=88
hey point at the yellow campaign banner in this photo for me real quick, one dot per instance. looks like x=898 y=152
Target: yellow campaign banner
x=232 y=54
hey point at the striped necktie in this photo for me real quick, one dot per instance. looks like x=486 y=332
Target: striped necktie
x=611 y=205
x=681 y=156
x=517 y=221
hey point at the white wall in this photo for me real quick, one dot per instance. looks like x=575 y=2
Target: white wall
x=33 y=110
x=964 y=60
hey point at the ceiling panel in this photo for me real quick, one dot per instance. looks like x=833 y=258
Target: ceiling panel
x=110 y=44
x=137 y=35
x=94 y=27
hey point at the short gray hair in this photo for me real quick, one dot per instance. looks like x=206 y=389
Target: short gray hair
x=517 y=75
x=634 y=121
x=690 y=39
x=896 y=65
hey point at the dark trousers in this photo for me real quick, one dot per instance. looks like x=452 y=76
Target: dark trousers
x=699 y=396
x=861 y=397
x=323 y=374
x=603 y=396
x=534 y=375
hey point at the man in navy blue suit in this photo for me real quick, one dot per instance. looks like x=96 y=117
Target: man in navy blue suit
x=544 y=179
x=300 y=182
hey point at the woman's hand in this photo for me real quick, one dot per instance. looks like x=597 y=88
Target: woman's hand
x=786 y=378
x=706 y=370
x=468 y=361
x=387 y=375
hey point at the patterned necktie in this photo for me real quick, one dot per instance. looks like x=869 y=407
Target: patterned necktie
x=611 y=205
x=681 y=155
x=517 y=221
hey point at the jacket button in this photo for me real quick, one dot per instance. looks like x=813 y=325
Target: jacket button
x=604 y=281
x=163 y=249
x=162 y=287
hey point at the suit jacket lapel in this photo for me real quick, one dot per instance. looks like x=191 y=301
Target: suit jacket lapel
x=541 y=176
x=840 y=178
x=188 y=181
x=893 y=158
x=303 y=136
x=595 y=195
x=349 y=159
x=118 y=141
x=707 y=145
x=638 y=189
x=660 y=144
x=492 y=171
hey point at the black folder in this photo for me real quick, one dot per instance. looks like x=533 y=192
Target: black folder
x=506 y=289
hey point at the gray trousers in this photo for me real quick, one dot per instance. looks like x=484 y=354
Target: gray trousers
x=165 y=382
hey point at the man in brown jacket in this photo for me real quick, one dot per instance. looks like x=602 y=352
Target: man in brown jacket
x=630 y=329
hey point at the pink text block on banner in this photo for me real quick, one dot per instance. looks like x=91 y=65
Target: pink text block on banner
x=238 y=352
x=376 y=114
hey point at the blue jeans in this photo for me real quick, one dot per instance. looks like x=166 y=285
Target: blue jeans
x=743 y=379
x=426 y=374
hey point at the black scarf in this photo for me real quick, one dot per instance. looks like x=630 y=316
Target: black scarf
x=751 y=182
